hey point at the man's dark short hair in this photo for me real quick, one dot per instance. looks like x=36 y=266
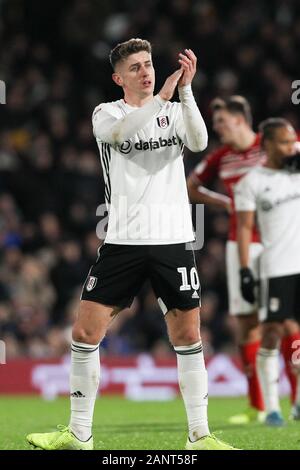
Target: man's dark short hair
x=125 y=49
x=268 y=127
x=235 y=104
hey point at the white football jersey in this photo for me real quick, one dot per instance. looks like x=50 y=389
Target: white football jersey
x=145 y=186
x=275 y=196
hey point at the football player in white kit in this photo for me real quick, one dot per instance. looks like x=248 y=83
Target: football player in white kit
x=272 y=193
x=141 y=138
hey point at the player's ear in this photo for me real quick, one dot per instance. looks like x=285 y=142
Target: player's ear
x=117 y=79
x=266 y=145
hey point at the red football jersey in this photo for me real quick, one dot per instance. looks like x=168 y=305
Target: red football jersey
x=230 y=165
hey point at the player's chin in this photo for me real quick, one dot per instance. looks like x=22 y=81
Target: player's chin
x=224 y=140
x=148 y=90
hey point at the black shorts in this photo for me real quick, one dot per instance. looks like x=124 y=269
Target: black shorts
x=120 y=271
x=280 y=298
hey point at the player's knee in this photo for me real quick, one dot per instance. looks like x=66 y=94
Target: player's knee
x=271 y=338
x=82 y=335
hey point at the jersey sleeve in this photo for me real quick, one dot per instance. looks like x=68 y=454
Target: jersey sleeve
x=208 y=169
x=103 y=119
x=245 y=193
x=190 y=126
x=114 y=130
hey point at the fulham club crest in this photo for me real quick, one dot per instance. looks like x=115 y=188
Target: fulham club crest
x=92 y=281
x=163 y=121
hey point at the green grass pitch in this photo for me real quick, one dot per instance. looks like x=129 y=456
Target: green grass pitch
x=122 y=424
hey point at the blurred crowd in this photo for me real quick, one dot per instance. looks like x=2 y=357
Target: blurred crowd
x=54 y=61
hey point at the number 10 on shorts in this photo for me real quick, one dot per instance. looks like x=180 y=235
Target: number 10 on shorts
x=193 y=282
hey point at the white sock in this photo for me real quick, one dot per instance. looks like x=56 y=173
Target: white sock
x=267 y=361
x=192 y=378
x=84 y=382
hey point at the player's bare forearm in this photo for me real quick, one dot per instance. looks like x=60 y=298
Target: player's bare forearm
x=198 y=194
x=245 y=223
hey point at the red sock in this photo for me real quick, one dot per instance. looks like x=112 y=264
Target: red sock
x=248 y=353
x=287 y=351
